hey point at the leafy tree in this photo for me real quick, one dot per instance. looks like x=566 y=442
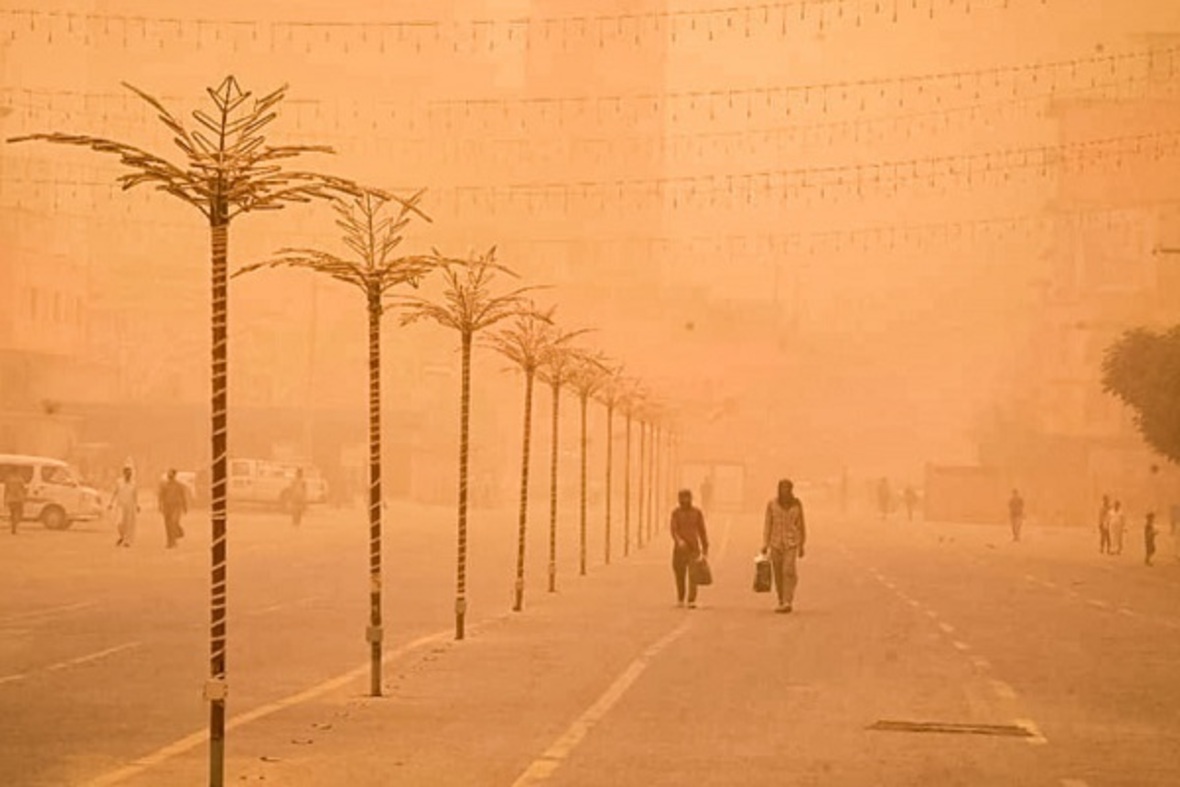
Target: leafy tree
x=1142 y=368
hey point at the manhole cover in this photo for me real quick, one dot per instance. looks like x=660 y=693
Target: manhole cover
x=952 y=728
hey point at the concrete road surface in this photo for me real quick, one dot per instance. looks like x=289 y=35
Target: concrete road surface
x=918 y=654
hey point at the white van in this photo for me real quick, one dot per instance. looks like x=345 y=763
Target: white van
x=53 y=493
x=266 y=482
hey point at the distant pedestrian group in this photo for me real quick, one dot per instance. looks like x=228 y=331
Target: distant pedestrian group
x=1112 y=529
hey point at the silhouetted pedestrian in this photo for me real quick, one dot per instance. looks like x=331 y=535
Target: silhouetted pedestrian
x=911 y=502
x=1118 y=526
x=173 y=503
x=690 y=543
x=15 y=494
x=126 y=498
x=1016 y=513
x=297 y=497
x=783 y=537
x=707 y=494
x=1104 y=526
x=883 y=497
x=1149 y=533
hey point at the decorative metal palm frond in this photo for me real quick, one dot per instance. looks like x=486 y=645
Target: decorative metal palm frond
x=468 y=303
x=589 y=373
x=613 y=387
x=559 y=361
x=524 y=341
x=372 y=223
x=633 y=396
x=228 y=169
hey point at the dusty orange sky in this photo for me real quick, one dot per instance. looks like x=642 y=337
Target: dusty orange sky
x=584 y=150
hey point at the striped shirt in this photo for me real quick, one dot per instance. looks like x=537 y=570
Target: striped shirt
x=784 y=527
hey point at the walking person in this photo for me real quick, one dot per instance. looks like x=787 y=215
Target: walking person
x=297 y=498
x=172 y=501
x=911 y=502
x=783 y=538
x=1016 y=514
x=1149 y=533
x=14 y=497
x=707 y=494
x=690 y=543
x=1104 y=526
x=1118 y=526
x=884 y=498
x=126 y=498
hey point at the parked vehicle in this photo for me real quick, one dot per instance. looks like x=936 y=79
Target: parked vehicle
x=267 y=482
x=55 y=495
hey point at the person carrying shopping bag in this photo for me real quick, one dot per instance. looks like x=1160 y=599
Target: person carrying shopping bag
x=783 y=537
x=691 y=544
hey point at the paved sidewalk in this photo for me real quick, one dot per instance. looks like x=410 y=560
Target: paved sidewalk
x=474 y=712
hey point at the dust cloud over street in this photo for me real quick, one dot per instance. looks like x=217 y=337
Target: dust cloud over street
x=505 y=392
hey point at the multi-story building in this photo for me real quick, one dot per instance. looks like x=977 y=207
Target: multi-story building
x=1064 y=441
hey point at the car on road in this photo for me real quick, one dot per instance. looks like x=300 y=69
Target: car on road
x=54 y=494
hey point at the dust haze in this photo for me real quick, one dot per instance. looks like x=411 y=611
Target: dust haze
x=877 y=247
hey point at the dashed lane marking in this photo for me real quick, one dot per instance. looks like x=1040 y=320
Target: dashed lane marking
x=946 y=627
x=91 y=657
x=1036 y=737
x=1097 y=603
x=1127 y=611
x=981 y=663
x=284 y=605
x=1073 y=783
x=961 y=646
x=189 y=742
x=74 y=662
x=545 y=765
x=46 y=613
x=1003 y=689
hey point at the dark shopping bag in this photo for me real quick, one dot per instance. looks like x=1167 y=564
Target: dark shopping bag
x=701 y=573
x=761 y=575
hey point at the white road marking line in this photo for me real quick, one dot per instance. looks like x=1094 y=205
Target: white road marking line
x=91 y=657
x=1038 y=738
x=947 y=627
x=1097 y=603
x=961 y=645
x=196 y=739
x=545 y=765
x=1073 y=783
x=1003 y=689
x=1031 y=578
x=931 y=614
x=283 y=605
x=13 y=678
x=48 y=612
x=1127 y=611
x=981 y=663
x=913 y=603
